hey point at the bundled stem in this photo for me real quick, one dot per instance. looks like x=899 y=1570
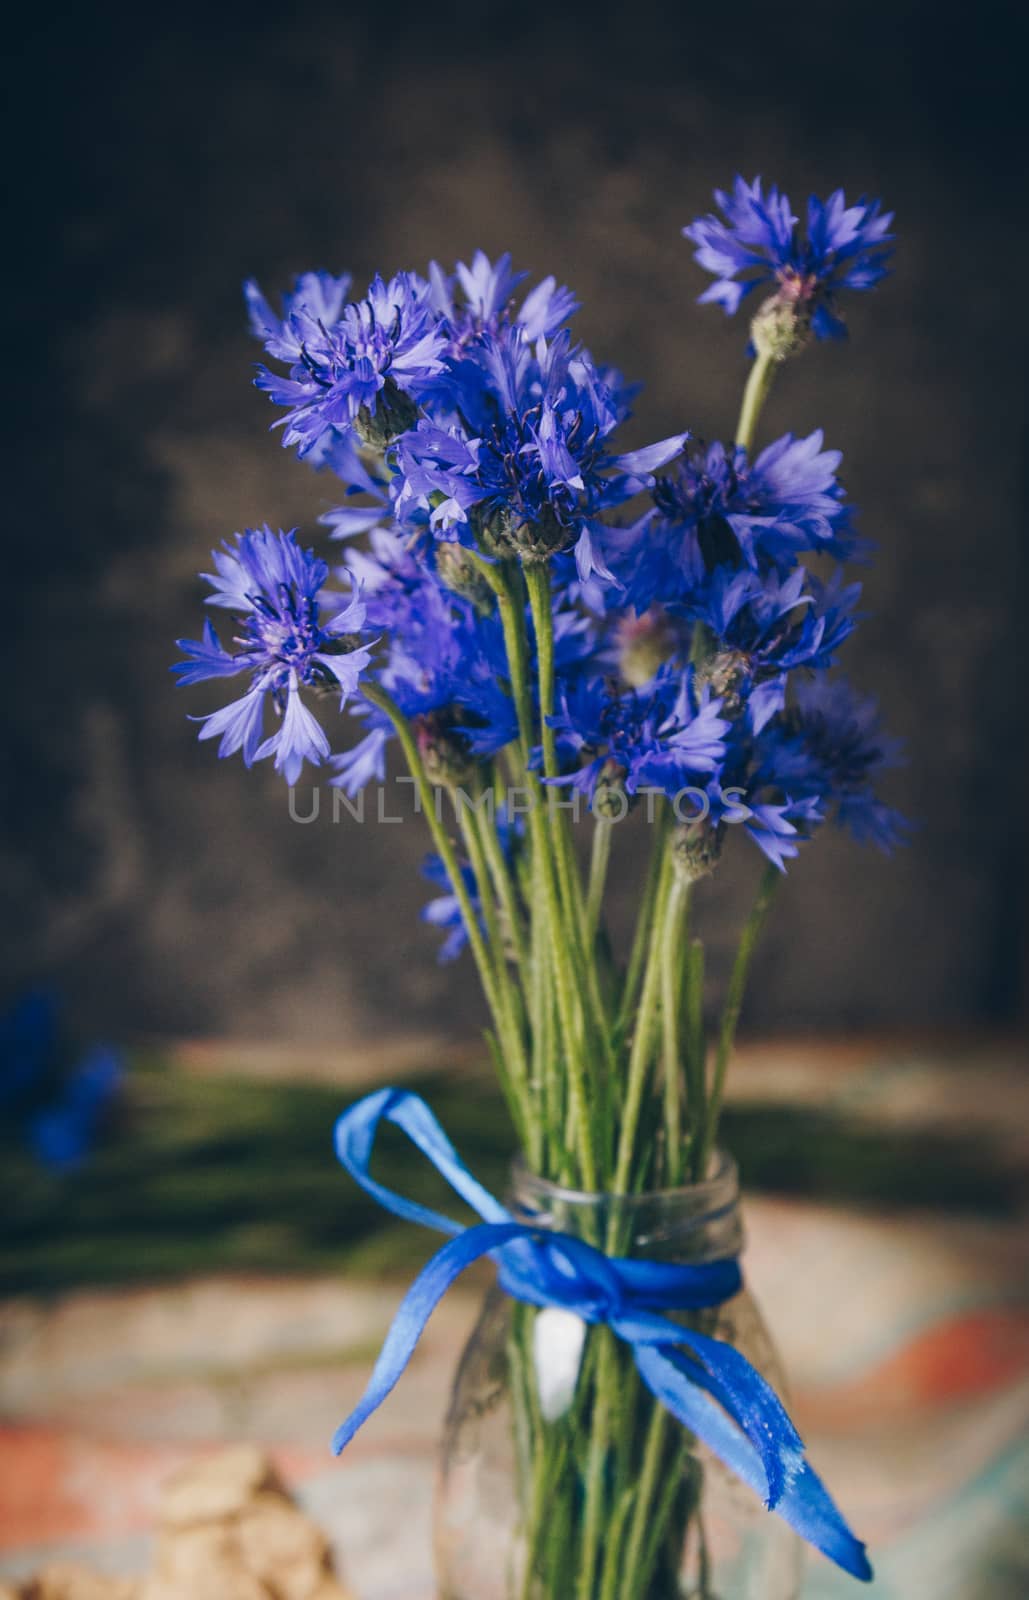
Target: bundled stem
x=672 y=961
x=612 y=1476
x=557 y=946
x=600 y=856
x=513 y=1068
x=640 y=1054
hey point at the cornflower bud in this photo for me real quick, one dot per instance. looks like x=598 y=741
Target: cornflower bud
x=504 y=535
x=456 y=568
x=444 y=750
x=725 y=673
x=610 y=801
x=696 y=849
x=394 y=414
x=781 y=326
x=645 y=643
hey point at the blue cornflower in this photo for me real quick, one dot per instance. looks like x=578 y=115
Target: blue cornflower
x=763 y=628
x=344 y=456
x=286 y=644
x=760 y=243
x=317 y=300
x=829 y=746
x=438 y=479
x=777 y=826
x=449 y=677
x=446 y=670
x=476 y=299
x=521 y=463
x=720 y=508
x=662 y=736
x=778 y=830
x=445 y=910
x=394 y=582
x=368 y=365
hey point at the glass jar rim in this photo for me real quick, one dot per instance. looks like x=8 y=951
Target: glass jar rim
x=721 y=1185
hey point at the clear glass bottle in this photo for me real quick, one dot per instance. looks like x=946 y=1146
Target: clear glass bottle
x=610 y=1499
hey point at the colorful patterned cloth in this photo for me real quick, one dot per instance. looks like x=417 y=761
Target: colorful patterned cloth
x=907 y=1345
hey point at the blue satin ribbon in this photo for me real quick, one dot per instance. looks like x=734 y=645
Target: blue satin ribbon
x=708 y=1386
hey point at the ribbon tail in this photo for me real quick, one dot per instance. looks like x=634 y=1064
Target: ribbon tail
x=754 y=1406
x=805 y=1503
x=414 y=1311
x=730 y=1378
x=809 y=1508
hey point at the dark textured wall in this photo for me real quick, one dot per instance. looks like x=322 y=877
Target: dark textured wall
x=157 y=163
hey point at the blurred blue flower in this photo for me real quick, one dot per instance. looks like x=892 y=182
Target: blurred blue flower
x=764 y=628
x=63 y=1132
x=718 y=508
x=777 y=826
x=830 y=747
x=60 y=1112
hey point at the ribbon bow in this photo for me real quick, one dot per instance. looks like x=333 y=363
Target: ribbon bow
x=709 y=1387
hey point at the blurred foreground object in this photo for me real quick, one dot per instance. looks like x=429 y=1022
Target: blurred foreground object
x=227 y=1531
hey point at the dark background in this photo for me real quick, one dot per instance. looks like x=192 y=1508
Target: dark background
x=155 y=163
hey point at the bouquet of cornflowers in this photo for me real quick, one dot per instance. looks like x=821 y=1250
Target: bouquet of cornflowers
x=546 y=623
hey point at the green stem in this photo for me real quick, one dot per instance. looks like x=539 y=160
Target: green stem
x=514 y=1073
x=636 y=1573
x=572 y=1033
x=537 y=583
x=555 y=946
x=638 y=954
x=377 y=696
x=600 y=1431
x=600 y=855
x=731 y=1012
x=696 y=1045
x=598 y=1041
x=547 y=1083
x=759 y=383
x=671 y=981
x=663 y=1524
x=609 y=1589
x=507 y=893
x=511 y=1030
x=640 y=1053
x=501 y=579
x=467 y=823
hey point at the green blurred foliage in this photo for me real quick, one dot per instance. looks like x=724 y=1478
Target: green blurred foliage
x=224 y=1173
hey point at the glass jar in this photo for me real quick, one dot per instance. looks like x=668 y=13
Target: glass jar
x=560 y=1476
